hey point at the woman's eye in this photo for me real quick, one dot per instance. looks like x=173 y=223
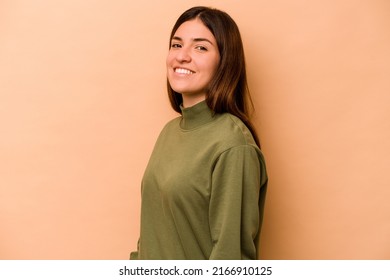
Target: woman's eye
x=175 y=45
x=201 y=48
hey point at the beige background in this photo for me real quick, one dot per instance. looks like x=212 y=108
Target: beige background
x=82 y=94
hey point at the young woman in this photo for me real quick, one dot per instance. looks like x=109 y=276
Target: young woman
x=203 y=190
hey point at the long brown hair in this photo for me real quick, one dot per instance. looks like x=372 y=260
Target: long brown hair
x=228 y=90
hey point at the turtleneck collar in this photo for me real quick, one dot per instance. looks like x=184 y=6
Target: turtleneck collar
x=196 y=116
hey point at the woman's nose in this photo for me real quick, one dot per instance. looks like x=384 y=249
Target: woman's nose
x=183 y=55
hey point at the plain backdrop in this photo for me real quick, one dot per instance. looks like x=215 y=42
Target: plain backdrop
x=83 y=99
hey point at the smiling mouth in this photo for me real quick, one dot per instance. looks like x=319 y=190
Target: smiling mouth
x=183 y=71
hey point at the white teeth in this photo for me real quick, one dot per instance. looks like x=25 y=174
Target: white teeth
x=183 y=71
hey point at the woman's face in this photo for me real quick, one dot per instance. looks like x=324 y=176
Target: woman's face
x=192 y=61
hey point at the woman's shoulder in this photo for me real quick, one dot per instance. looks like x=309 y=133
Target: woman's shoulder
x=171 y=124
x=233 y=131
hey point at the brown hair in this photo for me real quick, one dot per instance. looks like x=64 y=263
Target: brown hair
x=228 y=90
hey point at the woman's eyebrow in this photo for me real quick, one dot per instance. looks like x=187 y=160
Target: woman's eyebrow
x=202 y=40
x=176 y=38
x=194 y=39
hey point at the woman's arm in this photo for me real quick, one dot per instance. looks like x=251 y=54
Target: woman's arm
x=234 y=204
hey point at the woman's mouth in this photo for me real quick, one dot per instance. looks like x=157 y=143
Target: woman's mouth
x=183 y=71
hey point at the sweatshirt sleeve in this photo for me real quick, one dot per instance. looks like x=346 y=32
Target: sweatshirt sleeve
x=234 y=203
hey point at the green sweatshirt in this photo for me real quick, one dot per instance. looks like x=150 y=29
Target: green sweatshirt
x=203 y=190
